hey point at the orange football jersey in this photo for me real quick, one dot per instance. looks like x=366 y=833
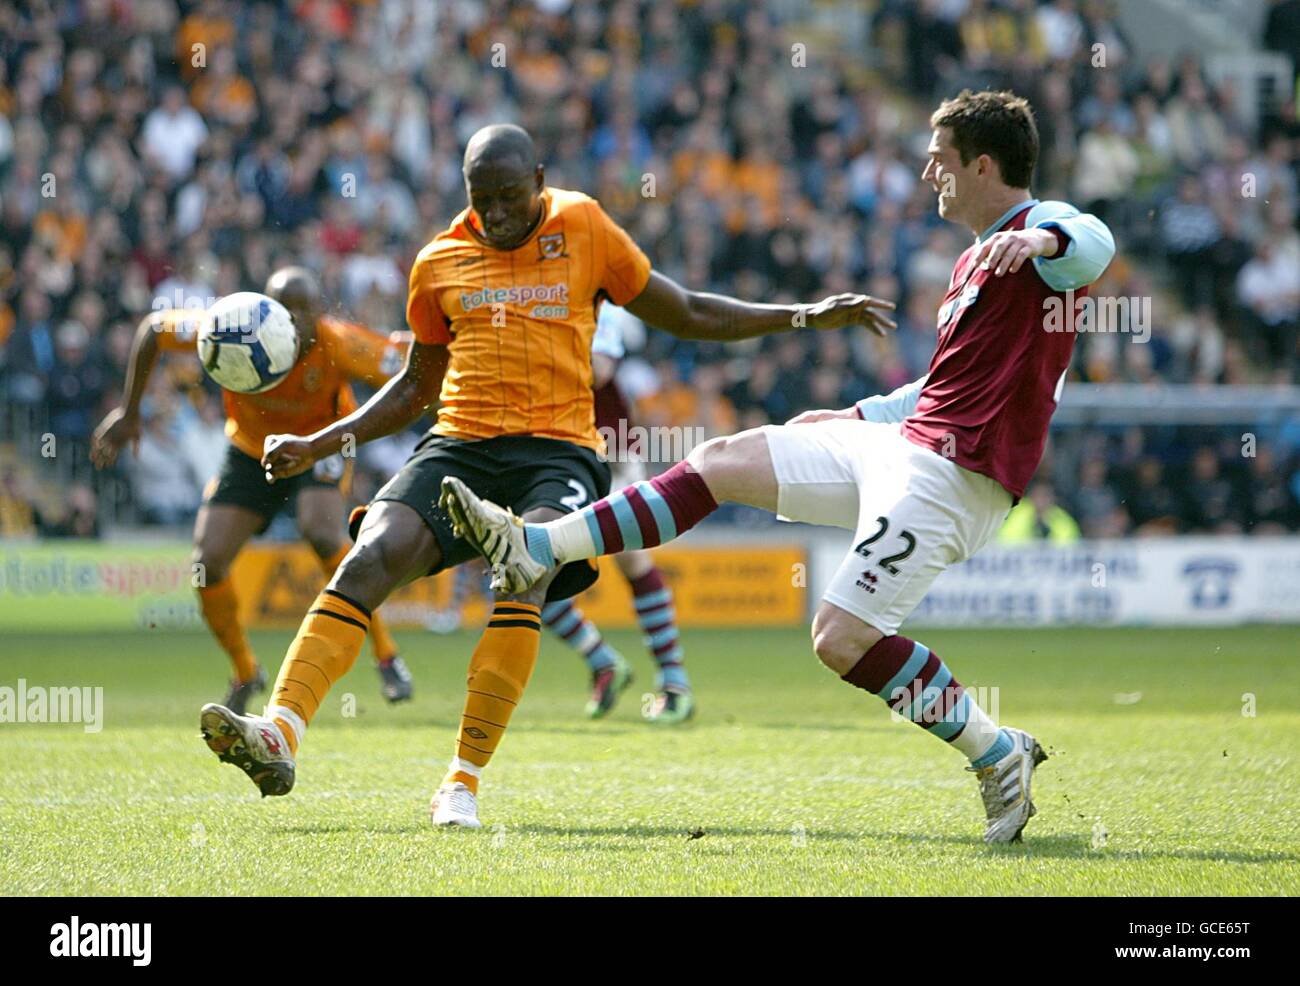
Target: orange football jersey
x=518 y=323
x=313 y=394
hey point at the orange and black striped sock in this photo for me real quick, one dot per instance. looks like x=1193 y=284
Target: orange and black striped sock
x=327 y=644
x=220 y=608
x=498 y=673
x=381 y=640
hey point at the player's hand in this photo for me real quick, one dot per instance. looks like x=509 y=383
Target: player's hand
x=1005 y=252
x=286 y=455
x=117 y=428
x=841 y=310
x=808 y=417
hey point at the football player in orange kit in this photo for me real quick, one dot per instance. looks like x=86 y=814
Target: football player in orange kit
x=240 y=501
x=503 y=308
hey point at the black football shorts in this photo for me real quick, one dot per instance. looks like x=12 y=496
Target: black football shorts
x=521 y=472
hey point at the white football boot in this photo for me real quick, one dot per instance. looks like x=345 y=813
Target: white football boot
x=254 y=744
x=1004 y=786
x=495 y=533
x=454 y=804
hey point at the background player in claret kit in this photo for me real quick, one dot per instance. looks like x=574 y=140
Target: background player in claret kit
x=502 y=305
x=919 y=497
x=240 y=501
x=652 y=599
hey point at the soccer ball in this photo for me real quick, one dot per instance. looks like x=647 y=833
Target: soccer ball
x=247 y=342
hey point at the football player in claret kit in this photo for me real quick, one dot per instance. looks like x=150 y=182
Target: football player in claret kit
x=652 y=599
x=503 y=308
x=240 y=501
x=923 y=477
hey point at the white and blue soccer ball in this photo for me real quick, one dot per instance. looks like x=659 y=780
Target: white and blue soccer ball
x=247 y=342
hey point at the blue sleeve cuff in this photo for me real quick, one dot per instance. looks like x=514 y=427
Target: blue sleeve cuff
x=1089 y=252
x=894 y=407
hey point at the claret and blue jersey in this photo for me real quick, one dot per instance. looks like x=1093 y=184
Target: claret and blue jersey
x=996 y=372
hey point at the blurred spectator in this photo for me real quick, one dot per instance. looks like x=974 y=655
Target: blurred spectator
x=73 y=514
x=204 y=441
x=1038 y=517
x=1269 y=287
x=162 y=476
x=1272 y=506
x=1189 y=229
x=17 y=516
x=1107 y=169
x=1210 y=501
x=1196 y=128
x=76 y=384
x=1151 y=502
x=172 y=135
x=1096 y=501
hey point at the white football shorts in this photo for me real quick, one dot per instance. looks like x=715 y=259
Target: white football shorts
x=913 y=512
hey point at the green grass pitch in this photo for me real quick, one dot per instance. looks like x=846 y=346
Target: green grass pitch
x=789 y=782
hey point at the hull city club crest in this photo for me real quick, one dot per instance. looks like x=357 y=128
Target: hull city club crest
x=551 y=246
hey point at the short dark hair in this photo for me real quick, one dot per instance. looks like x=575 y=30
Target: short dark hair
x=999 y=124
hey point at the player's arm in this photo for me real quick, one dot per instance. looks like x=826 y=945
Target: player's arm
x=665 y=304
x=1070 y=249
x=892 y=408
x=394 y=406
x=367 y=356
x=660 y=301
x=122 y=424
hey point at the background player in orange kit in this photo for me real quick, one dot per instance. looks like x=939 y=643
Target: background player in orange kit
x=240 y=501
x=503 y=308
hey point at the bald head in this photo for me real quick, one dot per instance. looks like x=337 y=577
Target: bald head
x=504 y=183
x=501 y=147
x=298 y=290
x=293 y=285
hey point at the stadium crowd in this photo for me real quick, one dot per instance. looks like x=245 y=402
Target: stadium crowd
x=164 y=153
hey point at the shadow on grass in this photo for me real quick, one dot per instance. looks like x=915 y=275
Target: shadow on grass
x=686 y=833
x=366 y=721
x=340 y=828
x=818 y=727
x=1079 y=846
x=682 y=832
x=1064 y=846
